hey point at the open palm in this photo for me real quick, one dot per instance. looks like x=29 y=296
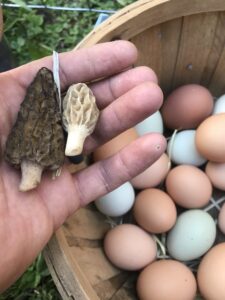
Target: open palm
x=27 y=220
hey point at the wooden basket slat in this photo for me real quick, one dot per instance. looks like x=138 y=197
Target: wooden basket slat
x=195 y=44
x=158 y=48
x=79 y=225
x=94 y=264
x=217 y=84
x=215 y=51
x=127 y=291
x=70 y=280
x=106 y=289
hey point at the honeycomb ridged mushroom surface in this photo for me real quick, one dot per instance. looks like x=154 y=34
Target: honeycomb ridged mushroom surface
x=36 y=141
x=80 y=115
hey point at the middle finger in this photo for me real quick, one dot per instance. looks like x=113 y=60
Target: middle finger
x=124 y=113
x=109 y=89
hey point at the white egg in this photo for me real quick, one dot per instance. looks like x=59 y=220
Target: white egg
x=182 y=149
x=154 y=123
x=219 y=106
x=118 y=202
x=192 y=235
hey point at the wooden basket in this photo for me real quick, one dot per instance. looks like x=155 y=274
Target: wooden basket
x=183 y=42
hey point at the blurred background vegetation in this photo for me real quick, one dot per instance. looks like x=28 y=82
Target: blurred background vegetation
x=34 y=33
x=31 y=34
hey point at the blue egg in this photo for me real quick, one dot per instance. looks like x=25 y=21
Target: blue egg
x=193 y=235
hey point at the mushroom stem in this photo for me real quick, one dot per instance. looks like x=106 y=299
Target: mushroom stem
x=31 y=175
x=75 y=140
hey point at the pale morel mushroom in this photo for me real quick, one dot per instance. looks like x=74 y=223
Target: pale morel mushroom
x=80 y=115
x=36 y=141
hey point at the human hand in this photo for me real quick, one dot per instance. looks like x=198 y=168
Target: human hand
x=28 y=220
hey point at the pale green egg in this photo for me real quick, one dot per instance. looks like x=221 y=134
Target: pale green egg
x=193 y=235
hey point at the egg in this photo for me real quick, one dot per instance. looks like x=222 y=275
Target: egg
x=118 y=202
x=153 y=175
x=166 y=280
x=154 y=211
x=129 y=247
x=221 y=219
x=211 y=274
x=189 y=186
x=192 y=235
x=216 y=173
x=210 y=139
x=219 y=106
x=116 y=144
x=182 y=149
x=154 y=123
x=187 y=106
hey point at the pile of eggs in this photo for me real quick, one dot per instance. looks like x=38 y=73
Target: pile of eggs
x=170 y=202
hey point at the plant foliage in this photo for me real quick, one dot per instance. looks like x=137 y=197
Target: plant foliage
x=34 y=33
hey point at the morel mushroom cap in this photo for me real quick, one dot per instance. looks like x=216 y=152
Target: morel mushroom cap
x=80 y=115
x=36 y=141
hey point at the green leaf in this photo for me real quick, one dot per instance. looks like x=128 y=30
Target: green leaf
x=11 y=22
x=20 y=2
x=20 y=41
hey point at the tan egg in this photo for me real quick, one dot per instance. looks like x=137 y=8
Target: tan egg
x=116 y=144
x=129 y=247
x=153 y=175
x=187 y=106
x=209 y=138
x=216 y=173
x=154 y=211
x=189 y=186
x=221 y=219
x=166 y=280
x=211 y=274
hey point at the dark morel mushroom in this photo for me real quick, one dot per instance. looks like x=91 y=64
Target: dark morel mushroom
x=36 y=141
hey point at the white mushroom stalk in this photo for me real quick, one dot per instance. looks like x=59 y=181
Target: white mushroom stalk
x=80 y=115
x=31 y=175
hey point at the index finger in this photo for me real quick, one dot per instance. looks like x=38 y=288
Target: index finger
x=83 y=65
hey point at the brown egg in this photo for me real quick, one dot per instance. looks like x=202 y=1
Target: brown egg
x=221 y=219
x=129 y=247
x=166 y=280
x=153 y=175
x=116 y=144
x=216 y=173
x=189 y=186
x=211 y=274
x=187 y=106
x=154 y=211
x=210 y=139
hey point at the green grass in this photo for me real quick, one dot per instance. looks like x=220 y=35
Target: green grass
x=35 y=284
x=32 y=34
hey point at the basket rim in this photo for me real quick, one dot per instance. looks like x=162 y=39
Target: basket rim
x=144 y=14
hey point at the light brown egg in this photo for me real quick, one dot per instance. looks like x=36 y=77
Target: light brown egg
x=211 y=274
x=187 y=106
x=116 y=144
x=153 y=175
x=189 y=186
x=129 y=247
x=154 y=211
x=216 y=173
x=210 y=139
x=166 y=280
x=221 y=219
